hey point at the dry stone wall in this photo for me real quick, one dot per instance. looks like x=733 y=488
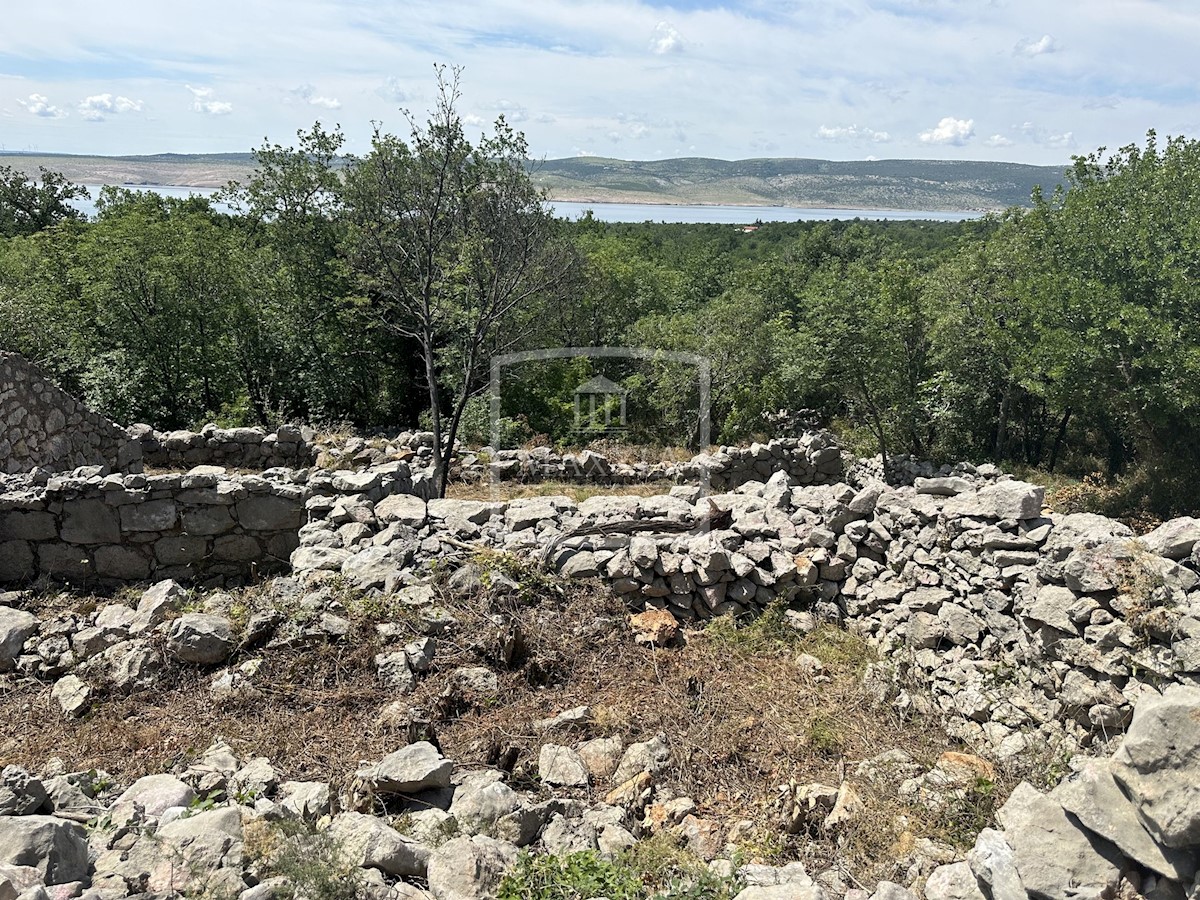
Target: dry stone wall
x=1026 y=630
x=44 y=427
x=813 y=458
x=90 y=528
x=235 y=448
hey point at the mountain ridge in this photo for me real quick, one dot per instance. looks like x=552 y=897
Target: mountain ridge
x=760 y=181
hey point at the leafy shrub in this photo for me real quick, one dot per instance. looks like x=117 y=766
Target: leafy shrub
x=577 y=876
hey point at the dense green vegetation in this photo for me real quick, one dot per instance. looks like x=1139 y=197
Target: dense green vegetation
x=1064 y=336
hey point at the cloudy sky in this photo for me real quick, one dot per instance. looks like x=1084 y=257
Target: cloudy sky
x=1020 y=80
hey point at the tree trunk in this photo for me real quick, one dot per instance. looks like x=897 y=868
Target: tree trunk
x=1058 y=439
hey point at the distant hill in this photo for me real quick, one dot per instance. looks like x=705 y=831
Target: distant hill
x=882 y=184
x=209 y=170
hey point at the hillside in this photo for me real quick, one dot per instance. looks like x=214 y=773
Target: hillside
x=886 y=184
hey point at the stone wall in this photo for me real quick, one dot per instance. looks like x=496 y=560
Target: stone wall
x=90 y=529
x=234 y=448
x=814 y=458
x=44 y=427
x=1028 y=630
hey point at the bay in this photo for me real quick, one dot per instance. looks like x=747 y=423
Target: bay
x=638 y=212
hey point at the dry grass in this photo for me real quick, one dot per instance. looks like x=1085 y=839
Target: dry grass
x=739 y=714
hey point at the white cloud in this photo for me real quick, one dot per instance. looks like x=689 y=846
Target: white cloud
x=39 y=105
x=473 y=120
x=99 y=106
x=851 y=133
x=950 y=131
x=512 y=111
x=1064 y=140
x=309 y=95
x=393 y=90
x=203 y=102
x=666 y=39
x=1030 y=47
x=998 y=140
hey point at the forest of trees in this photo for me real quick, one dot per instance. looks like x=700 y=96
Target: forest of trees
x=367 y=291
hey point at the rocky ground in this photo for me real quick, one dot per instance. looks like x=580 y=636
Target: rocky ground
x=845 y=691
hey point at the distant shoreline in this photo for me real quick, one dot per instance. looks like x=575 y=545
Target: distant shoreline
x=953 y=187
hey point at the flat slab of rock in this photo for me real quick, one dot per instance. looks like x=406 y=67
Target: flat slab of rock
x=1000 y=500
x=410 y=770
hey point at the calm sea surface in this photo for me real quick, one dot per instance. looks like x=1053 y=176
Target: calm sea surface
x=650 y=212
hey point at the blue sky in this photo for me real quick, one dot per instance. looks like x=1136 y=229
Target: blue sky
x=1017 y=80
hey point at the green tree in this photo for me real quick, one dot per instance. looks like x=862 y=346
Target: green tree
x=454 y=248
x=29 y=205
x=309 y=347
x=1117 y=306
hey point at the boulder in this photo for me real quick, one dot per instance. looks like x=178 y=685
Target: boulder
x=367 y=842
x=1158 y=762
x=955 y=881
x=481 y=800
x=403 y=508
x=469 y=868
x=417 y=767
x=1092 y=796
x=72 y=694
x=561 y=767
x=16 y=627
x=994 y=864
x=58 y=849
x=155 y=794
x=201 y=638
x=1174 y=539
x=20 y=793
x=999 y=500
x=1057 y=859
x=158 y=603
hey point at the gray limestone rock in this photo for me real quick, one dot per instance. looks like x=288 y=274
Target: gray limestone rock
x=955 y=881
x=481 y=800
x=469 y=868
x=16 y=627
x=1092 y=795
x=20 y=793
x=1158 y=762
x=1056 y=858
x=1174 y=539
x=201 y=638
x=994 y=863
x=561 y=766
x=367 y=842
x=417 y=767
x=58 y=849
